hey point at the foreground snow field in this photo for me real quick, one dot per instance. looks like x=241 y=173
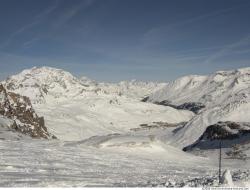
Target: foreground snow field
x=33 y=163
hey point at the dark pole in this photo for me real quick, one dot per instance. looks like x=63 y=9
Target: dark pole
x=220 y=164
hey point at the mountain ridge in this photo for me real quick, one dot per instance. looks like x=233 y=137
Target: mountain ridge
x=47 y=82
x=224 y=94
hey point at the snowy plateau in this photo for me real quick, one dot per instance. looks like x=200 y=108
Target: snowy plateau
x=57 y=130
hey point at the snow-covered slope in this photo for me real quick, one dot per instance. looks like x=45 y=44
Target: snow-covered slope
x=225 y=94
x=75 y=109
x=210 y=90
x=103 y=114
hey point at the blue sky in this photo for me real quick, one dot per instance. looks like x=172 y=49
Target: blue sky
x=113 y=40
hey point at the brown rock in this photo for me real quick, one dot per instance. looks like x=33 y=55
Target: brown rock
x=19 y=108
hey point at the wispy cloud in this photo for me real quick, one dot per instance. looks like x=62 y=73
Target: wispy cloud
x=150 y=35
x=29 y=43
x=61 y=20
x=229 y=49
x=69 y=14
x=36 y=21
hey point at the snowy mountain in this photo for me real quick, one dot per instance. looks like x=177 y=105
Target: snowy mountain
x=45 y=84
x=223 y=96
x=76 y=109
x=50 y=84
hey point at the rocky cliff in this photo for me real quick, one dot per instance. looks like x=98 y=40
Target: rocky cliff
x=19 y=109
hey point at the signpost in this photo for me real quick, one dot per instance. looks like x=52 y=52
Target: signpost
x=220 y=162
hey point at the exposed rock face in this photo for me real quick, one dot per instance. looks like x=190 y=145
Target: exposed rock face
x=145 y=99
x=191 y=106
x=226 y=130
x=229 y=132
x=19 y=109
x=158 y=125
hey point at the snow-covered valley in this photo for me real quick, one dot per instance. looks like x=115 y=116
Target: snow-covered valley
x=107 y=136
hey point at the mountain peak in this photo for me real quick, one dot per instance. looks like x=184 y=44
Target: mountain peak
x=46 y=71
x=41 y=82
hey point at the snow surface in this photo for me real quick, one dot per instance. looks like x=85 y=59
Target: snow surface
x=82 y=118
x=40 y=163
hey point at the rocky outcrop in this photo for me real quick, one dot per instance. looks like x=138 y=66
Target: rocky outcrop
x=226 y=130
x=145 y=99
x=195 y=107
x=19 y=109
x=230 y=133
x=192 y=106
x=158 y=125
